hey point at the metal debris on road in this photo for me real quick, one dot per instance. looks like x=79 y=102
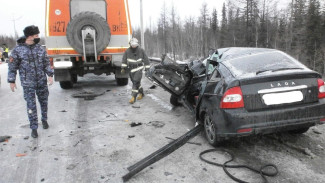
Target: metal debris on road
x=87 y=95
x=76 y=144
x=135 y=106
x=152 y=87
x=131 y=136
x=168 y=173
x=71 y=166
x=20 y=154
x=4 y=138
x=133 y=124
x=195 y=143
x=157 y=124
x=161 y=153
x=316 y=131
x=63 y=111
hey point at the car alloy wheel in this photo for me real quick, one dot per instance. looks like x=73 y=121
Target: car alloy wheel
x=210 y=130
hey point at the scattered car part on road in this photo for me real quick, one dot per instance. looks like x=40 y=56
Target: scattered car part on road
x=199 y=144
x=133 y=124
x=4 y=138
x=87 y=95
x=161 y=153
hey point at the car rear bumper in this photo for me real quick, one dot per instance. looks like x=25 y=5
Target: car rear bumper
x=239 y=122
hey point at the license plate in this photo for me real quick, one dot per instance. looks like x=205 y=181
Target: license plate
x=283 y=98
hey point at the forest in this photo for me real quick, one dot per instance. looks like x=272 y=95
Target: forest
x=298 y=30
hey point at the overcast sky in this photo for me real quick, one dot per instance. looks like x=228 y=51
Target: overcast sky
x=28 y=12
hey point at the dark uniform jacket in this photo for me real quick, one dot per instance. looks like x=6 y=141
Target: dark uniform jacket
x=32 y=63
x=135 y=59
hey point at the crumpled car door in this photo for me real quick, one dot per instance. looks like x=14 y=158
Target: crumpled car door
x=173 y=77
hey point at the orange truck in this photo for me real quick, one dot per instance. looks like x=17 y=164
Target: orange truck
x=87 y=36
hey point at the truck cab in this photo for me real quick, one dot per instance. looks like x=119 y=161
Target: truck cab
x=87 y=36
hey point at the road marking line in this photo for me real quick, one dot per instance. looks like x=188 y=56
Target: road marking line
x=160 y=102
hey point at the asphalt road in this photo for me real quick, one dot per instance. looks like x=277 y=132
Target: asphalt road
x=92 y=140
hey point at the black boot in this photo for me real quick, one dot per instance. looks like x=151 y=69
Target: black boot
x=34 y=133
x=45 y=125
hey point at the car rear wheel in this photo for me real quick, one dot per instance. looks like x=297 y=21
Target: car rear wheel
x=299 y=131
x=210 y=130
x=174 y=100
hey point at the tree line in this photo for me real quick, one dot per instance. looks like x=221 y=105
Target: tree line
x=298 y=30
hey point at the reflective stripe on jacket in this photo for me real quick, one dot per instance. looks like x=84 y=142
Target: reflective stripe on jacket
x=135 y=59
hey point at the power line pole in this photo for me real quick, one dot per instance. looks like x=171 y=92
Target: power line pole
x=14 y=21
x=141 y=22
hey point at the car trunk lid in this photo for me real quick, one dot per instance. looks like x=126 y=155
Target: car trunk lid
x=280 y=91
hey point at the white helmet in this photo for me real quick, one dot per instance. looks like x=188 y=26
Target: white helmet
x=134 y=42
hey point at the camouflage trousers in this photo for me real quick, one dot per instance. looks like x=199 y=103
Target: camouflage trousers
x=30 y=97
x=136 y=81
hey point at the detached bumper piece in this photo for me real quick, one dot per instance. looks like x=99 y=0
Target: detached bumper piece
x=161 y=153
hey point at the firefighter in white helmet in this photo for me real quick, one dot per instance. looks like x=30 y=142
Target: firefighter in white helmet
x=136 y=60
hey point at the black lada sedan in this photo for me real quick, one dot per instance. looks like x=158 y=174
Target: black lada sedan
x=245 y=91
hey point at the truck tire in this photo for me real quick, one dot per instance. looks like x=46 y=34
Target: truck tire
x=80 y=22
x=74 y=78
x=122 y=81
x=66 y=84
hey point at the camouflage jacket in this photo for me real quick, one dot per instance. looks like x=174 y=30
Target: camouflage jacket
x=32 y=63
x=135 y=59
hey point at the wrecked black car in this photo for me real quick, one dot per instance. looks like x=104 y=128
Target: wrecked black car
x=245 y=91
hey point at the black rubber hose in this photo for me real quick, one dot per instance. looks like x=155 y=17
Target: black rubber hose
x=225 y=166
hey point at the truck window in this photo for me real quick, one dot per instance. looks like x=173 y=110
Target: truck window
x=98 y=6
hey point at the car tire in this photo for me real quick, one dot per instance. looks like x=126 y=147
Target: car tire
x=299 y=131
x=66 y=84
x=88 y=19
x=210 y=130
x=122 y=81
x=174 y=100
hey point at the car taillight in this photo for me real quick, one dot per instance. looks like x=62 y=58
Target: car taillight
x=321 y=89
x=233 y=98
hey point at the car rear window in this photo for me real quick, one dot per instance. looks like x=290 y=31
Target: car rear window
x=249 y=65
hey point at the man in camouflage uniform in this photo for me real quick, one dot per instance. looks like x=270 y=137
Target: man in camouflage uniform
x=32 y=62
x=135 y=59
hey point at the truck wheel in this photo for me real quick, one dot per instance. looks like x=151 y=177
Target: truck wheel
x=74 y=78
x=66 y=84
x=174 y=100
x=92 y=20
x=122 y=81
